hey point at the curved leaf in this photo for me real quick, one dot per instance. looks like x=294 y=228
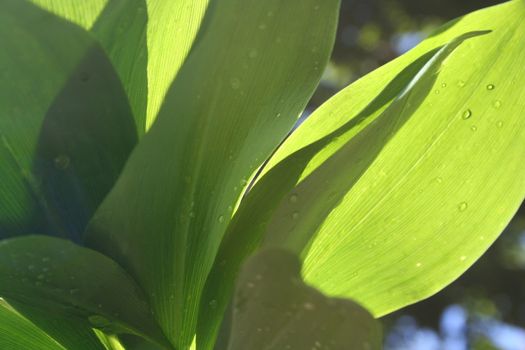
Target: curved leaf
x=49 y=275
x=274 y=309
x=169 y=210
x=448 y=177
x=65 y=125
x=146 y=40
x=18 y=333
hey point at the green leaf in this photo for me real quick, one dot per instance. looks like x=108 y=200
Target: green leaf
x=274 y=309
x=65 y=125
x=261 y=212
x=45 y=275
x=443 y=178
x=146 y=40
x=19 y=333
x=167 y=214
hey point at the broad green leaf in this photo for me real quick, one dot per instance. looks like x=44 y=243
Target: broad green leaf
x=19 y=333
x=260 y=211
x=146 y=40
x=167 y=214
x=65 y=125
x=50 y=275
x=274 y=309
x=439 y=189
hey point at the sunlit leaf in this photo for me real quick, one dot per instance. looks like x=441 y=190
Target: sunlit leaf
x=50 y=276
x=146 y=40
x=435 y=193
x=166 y=216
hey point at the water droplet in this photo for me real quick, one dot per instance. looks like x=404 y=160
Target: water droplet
x=98 y=321
x=463 y=206
x=444 y=85
x=278 y=115
x=467 y=114
x=62 y=162
x=463 y=258
x=235 y=83
x=293 y=198
x=461 y=83
x=309 y=306
x=437 y=92
x=497 y=104
x=253 y=53
x=295 y=215
x=499 y=124
x=439 y=180
x=213 y=304
x=474 y=128
x=490 y=87
x=220 y=219
x=418 y=264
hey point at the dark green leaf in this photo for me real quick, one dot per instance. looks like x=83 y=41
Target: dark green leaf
x=42 y=274
x=65 y=125
x=274 y=309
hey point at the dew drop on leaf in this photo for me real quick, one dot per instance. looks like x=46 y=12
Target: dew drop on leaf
x=293 y=198
x=62 y=162
x=220 y=219
x=497 y=104
x=490 y=87
x=474 y=128
x=444 y=85
x=461 y=83
x=98 y=321
x=235 y=83
x=309 y=306
x=467 y=114
x=463 y=206
x=499 y=124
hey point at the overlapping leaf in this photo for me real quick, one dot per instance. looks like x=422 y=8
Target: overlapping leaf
x=146 y=40
x=19 y=333
x=435 y=171
x=166 y=216
x=66 y=128
x=47 y=276
x=274 y=309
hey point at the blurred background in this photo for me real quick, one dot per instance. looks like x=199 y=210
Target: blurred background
x=485 y=308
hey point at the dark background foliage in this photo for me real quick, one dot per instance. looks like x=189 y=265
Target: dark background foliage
x=485 y=308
